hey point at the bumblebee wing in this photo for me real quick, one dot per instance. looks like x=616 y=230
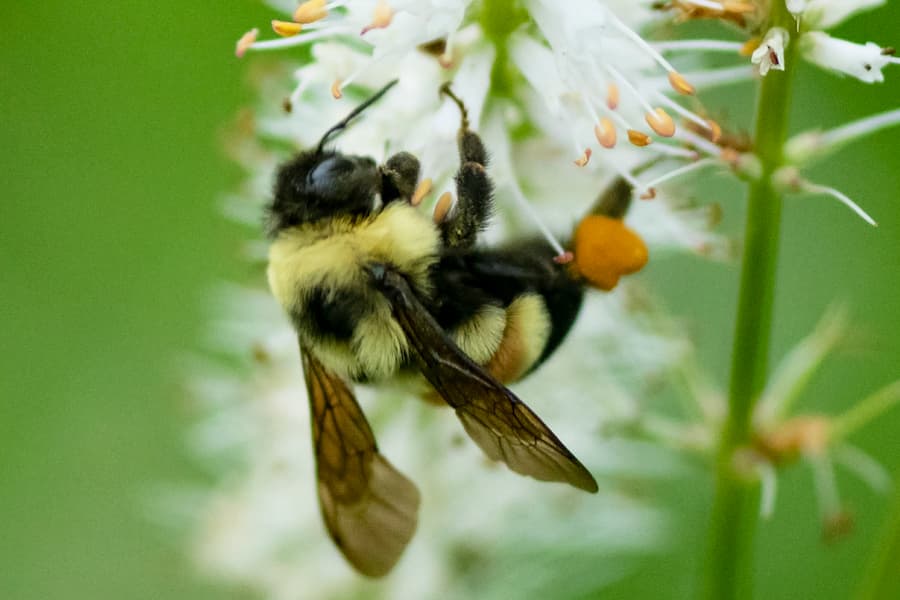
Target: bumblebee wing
x=501 y=424
x=369 y=508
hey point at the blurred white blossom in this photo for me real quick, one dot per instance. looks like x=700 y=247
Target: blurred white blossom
x=262 y=527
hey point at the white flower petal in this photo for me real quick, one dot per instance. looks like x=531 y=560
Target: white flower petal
x=824 y=14
x=863 y=61
x=770 y=54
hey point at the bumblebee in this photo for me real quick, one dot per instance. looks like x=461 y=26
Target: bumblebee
x=377 y=291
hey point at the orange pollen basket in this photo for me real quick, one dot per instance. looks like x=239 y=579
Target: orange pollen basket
x=606 y=249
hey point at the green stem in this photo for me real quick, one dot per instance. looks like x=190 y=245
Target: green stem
x=729 y=561
x=881 y=579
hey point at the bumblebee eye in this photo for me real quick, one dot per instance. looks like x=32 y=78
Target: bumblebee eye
x=324 y=173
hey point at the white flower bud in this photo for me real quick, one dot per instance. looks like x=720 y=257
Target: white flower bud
x=795 y=7
x=770 y=54
x=863 y=61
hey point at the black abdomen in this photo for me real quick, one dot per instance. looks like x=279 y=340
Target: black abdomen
x=464 y=281
x=331 y=314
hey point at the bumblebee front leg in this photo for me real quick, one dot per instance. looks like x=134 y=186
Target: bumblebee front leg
x=399 y=176
x=474 y=188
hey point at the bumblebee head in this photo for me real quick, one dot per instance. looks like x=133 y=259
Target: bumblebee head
x=320 y=185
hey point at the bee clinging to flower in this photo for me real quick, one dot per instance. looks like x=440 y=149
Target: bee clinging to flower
x=378 y=291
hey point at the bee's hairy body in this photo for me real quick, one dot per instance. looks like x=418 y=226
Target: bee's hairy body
x=506 y=308
x=377 y=291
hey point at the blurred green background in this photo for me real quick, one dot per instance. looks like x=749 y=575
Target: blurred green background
x=110 y=118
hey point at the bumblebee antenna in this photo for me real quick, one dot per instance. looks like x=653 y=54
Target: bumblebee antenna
x=346 y=120
x=446 y=91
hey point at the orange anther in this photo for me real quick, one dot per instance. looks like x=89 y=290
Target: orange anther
x=286 y=28
x=612 y=96
x=680 y=84
x=442 y=208
x=584 y=159
x=605 y=132
x=715 y=131
x=660 y=122
x=638 y=138
x=421 y=191
x=310 y=12
x=245 y=42
x=381 y=17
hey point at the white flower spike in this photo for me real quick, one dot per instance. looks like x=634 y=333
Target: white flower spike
x=547 y=83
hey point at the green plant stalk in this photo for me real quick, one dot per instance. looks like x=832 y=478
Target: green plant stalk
x=729 y=560
x=881 y=579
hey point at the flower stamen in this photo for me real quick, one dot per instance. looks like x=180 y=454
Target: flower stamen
x=422 y=190
x=680 y=171
x=687 y=114
x=584 y=159
x=311 y=11
x=807 y=186
x=624 y=81
x=707 y=45
x=715 y=131
x=442 y=208
x=286 y=28
x=612 y=96
x=698 y=142
x=639 y=138
x=678 y=82
x=381 y=17
x=525 y=206
x=678 y=151
x=706 y=9
x=299 y=40
x=660 y=122
x=336 y=92
x=714 y=77
x=244 y=43
x=605 y=132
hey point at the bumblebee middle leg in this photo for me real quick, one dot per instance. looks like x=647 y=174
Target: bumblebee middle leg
x=474 y=188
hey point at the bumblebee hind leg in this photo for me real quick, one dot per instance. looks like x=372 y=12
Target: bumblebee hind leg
x=474 y=188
